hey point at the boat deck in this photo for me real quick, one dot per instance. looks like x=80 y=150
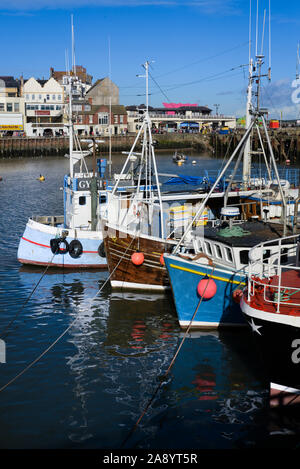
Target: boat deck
x=265 y=297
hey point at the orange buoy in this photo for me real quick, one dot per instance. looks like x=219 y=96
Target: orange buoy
x=237 y=296
x=207 y=288
x=137 y=258
x=161 y=259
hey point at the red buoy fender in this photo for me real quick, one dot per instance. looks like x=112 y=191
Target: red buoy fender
x=137 y=258
x=207 y=288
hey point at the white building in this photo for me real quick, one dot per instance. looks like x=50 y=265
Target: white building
x=11 y=106
x=44 y=107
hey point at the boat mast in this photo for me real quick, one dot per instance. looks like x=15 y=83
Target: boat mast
x=247 y=150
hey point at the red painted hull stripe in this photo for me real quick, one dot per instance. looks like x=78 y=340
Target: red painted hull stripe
x=67 y=266
x=45 y=246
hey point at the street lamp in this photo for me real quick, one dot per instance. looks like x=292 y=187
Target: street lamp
x=217 y=108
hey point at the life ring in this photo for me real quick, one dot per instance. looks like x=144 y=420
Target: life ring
x=101 y=250
x=137 y=209
x=75 y=248
x=55 y=245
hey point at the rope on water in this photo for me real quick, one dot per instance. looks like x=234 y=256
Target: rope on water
x=170 y=366
x=3 y=335
x=67 y=329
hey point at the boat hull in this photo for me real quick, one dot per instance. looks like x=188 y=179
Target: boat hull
x=34 y=247
x=124 y=274
x=221 y=310
x=277 y=339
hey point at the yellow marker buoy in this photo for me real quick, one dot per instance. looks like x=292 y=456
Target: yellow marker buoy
x=41 y=178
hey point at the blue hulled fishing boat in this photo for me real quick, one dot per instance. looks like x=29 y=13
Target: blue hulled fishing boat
x=207 y=274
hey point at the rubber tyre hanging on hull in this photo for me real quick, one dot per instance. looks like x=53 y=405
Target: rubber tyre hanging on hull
x=75 y=248
x=55 y=245
x=101 y=250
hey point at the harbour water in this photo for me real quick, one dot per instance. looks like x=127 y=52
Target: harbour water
x=89 y=390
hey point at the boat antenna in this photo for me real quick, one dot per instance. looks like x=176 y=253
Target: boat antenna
x=73 y=48
x=297 y=63
x=256 y=28
x=109 y=125
x=263 y=33
x=269 y=70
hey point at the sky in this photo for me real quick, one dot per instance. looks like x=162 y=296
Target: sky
x=198 y=50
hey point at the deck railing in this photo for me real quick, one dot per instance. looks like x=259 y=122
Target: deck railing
x=270 y=260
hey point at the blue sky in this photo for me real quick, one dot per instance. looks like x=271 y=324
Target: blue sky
x=197 y=48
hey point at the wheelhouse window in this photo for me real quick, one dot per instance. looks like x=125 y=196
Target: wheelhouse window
x=244 y=256
x=218 y=251
x=228 y=254
x=208 y=248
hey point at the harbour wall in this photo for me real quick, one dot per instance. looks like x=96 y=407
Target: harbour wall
x=285 y=144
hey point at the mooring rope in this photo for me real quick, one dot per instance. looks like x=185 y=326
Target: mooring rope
x=170 y=366
x=68 y=328
x=23 y=306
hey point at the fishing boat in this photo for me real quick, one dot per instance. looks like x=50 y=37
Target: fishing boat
x=72 y=239
x=271 y=306
x=207 y=283
x=144 y=226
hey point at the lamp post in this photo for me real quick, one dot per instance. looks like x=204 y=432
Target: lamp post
x=217 y=108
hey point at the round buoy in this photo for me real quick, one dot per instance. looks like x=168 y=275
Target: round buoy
x=207 y=288
x=137 y=258
x=237 y=295
x=161 y=259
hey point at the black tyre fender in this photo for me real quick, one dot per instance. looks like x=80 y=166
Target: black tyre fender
x=75 y=248
x=56 y=247
x=101 y=250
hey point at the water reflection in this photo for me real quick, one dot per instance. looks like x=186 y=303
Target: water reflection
x=117 y=353
x=91 y=388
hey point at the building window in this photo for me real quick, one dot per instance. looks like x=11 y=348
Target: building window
x=16 y=107
x=103 y=118
x=48 y=97
x=115 y=119
x=1 y=106
x=33 y=97
x=40 y=97
x=90 y=119
x=9 y=107
x=59 y=97
x=27 y=97
x=121 y=119
x=53 y=97
x=82 y=200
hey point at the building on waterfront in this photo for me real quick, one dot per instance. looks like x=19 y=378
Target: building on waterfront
x=184 y=118
x=81 y=84
x=105 y=120
x=11 y=106
x=104 y=91
x=44 y=107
